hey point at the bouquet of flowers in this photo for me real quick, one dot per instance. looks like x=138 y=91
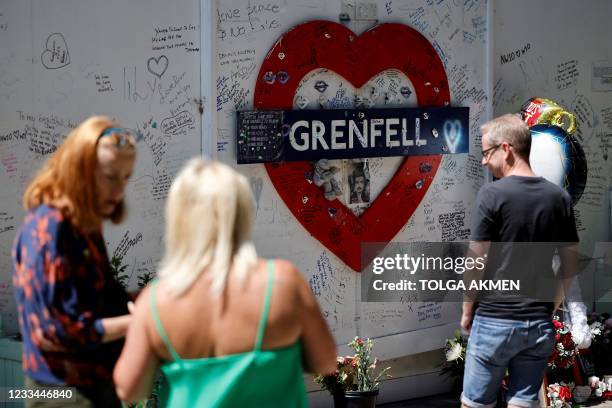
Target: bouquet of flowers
x=598 y=387
x=342 y=379
x=560 y=395
x=353 y=373
x=600 y=353
x=366 y=380
x=454 y=363
x=601 y=329
x=564 y=353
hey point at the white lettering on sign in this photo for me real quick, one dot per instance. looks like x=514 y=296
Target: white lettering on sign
x=367 y=132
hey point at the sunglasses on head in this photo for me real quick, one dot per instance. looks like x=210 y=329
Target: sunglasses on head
x=121 y=136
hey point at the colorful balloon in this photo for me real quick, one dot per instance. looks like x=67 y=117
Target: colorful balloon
x=559 y=158
x=544 y=111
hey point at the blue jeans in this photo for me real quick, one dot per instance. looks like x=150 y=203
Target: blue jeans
x=521 y=346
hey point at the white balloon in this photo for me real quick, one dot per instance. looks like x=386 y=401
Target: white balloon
x=547 y=159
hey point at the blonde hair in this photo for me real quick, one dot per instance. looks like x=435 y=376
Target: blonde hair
x=509 y=128
x=67 y=179
x=209 y=215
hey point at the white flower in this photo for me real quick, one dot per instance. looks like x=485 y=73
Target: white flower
x=594 y=381
x=598 y=392
x=596 y=328
x=558 y=404
x=454 y=353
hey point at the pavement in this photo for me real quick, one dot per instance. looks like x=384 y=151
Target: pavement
x=436 y=401
x=452 y=401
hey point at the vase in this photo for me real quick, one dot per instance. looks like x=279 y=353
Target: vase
x=356 y=399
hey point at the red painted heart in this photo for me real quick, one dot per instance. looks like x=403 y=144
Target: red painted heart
x=325 y=44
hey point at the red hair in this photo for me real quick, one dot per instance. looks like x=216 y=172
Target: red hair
x=67 y=179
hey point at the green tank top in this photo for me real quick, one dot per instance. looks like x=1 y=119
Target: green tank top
x=257 y=378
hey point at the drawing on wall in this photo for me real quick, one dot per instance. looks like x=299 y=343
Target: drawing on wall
x=157 y=66
x=142 y=73
x=56 y=53
x=357 y=59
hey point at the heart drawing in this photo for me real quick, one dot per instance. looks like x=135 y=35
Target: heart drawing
x=56 y=53
x=158 y=66
x=324 y=44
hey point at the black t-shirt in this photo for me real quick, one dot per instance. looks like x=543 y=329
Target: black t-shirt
x=517 y=209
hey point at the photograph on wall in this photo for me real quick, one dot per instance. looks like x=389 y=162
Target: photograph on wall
x=357 y=185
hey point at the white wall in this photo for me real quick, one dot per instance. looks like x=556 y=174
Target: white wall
x=561 y=50
x=458 y=31
x=120 y=61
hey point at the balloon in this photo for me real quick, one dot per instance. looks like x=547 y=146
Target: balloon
x=544 y=111
x=559 y=158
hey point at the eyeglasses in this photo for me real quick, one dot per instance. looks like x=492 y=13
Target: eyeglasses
x=485 y=152
x=121 y=136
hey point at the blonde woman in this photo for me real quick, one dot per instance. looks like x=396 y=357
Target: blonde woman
x=72 y=313
x=228 y=329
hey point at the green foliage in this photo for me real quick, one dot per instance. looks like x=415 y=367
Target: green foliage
x=157 y=387
x=118 y=271
x=153 y=400
x=366 y=381
x=145 y=278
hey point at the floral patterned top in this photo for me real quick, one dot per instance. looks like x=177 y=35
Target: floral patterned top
x=63 y=285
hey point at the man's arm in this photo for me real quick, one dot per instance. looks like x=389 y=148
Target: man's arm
x=477 y=249
x=567 y=272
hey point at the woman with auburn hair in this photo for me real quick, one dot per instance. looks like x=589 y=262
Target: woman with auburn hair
x=72 y=313
x=228 y=329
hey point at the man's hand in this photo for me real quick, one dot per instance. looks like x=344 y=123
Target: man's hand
x=466 y=322
x=477 y=249
x=467 y=317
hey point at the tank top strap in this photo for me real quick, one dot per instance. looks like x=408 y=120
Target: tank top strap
x=266 y=306
x=158 y=324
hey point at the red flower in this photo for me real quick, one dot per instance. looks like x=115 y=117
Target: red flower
x=565 y=394
x=554 y=355
x=564 y=342
x=566 y=362
x=567 y=342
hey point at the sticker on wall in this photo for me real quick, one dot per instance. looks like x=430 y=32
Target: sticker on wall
x=317 y=45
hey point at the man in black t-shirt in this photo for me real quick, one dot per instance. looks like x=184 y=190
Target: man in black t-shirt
x=514 y=333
